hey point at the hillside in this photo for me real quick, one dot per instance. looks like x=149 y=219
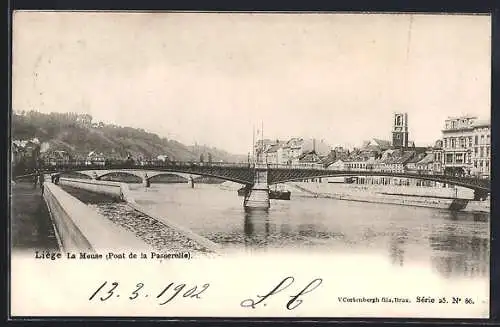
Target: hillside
x=78 y=135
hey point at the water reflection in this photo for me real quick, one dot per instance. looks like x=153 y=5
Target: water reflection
x=468 y=216
x=397 y=246
x=460 y=250
x=256 y=227
x=451 y=243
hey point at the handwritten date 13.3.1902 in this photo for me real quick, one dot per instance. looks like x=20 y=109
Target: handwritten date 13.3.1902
x=163 y=295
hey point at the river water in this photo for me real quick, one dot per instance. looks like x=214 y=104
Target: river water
x=451 y=244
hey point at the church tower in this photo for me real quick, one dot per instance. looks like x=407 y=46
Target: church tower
x=400 y=130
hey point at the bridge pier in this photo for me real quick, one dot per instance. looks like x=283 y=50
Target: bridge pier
x=480 y=195
x=145 y=180
x=258 y=196
x=191 y=181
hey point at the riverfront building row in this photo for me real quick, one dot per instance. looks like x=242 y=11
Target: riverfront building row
x=464 y=150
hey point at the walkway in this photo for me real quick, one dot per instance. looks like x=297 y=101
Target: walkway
x=31 y=226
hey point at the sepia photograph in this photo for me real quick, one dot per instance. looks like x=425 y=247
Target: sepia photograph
x=197 y=164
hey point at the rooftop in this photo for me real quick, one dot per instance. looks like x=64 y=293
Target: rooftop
x=482 y=123
x=399 y=157
x=427 y=159
x=466 y=116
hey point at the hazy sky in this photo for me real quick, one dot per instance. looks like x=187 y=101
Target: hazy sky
x=209 y=77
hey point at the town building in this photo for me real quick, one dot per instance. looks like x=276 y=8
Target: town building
x=400 y=130
x=481 y=155
x=395 y=161
x=295 y=145
x=56 y=157
x=162 y=157
x=411 y=165
x=466 y=146
x=336 y=154
x=376 y=145
x=320 y=147
x=84 y=120
x=26 y=152
x=437 y=150
x=273 y=155
x=290 y=152
x=261 y=147
x=310 y=159
x=426 y=164
x=95 y=158
x=339 y=164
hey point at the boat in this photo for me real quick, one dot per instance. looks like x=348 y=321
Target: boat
x=273 y=194
x=279 y=195
x=242 y=191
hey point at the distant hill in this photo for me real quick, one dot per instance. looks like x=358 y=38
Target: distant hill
x=77 y=134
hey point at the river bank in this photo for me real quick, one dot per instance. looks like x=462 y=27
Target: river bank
x=156 y=234
x=431 y=197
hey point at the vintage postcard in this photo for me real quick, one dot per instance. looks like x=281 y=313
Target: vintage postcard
x=189 y=164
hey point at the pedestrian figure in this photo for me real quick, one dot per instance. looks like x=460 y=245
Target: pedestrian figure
x=35 y=180
x=41 y=180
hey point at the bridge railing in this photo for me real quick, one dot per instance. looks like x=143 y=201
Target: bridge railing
x=138 y=165
x=79 y=165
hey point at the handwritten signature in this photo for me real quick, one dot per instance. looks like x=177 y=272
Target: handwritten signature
x=295 y=300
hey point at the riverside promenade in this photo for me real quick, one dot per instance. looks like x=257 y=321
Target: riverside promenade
x=31 y=224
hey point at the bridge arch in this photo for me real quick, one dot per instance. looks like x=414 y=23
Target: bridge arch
x=154 y=177
x=154 y=171
x=137 y=178
x=75 y=174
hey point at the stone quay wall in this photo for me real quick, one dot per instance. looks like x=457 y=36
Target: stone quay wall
x=122 y=191
x=80 y=228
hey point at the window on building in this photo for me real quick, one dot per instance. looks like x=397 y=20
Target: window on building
x=445 y=143
x=487 y=151
x=488 y=139
x=481 y=152
x=470 y=141
x=487 y=164
x=475 y=163
x=453 y=142
x=459 y=158
x=449 y=158
x=475 y=140
x=475 y=151
x=482 y=139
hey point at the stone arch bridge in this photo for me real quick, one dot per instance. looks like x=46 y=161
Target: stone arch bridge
x=259 y=177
